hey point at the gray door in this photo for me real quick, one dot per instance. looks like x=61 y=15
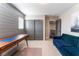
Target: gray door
x=58 y=27
x=38 y=29
x=29 y=24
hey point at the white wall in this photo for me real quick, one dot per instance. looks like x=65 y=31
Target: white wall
x=67 y=19
x=8 y=20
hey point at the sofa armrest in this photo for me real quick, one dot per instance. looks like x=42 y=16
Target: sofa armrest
x=57 y=37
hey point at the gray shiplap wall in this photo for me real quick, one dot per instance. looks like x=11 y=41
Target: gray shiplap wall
x=8 y=20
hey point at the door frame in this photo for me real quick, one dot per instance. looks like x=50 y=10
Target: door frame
x=60 y=26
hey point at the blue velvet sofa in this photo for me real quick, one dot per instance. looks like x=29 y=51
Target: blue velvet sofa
x=67 y=45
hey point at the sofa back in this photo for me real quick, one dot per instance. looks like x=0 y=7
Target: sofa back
x=70 y=39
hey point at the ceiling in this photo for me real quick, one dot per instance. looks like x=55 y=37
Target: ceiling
x=43 y=9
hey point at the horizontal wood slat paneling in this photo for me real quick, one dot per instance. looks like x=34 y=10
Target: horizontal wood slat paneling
x=8 y=20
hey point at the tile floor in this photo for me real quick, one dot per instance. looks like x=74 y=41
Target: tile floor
x=38 y=48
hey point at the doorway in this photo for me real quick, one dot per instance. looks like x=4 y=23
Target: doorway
x=52 y=28
x=55 y=28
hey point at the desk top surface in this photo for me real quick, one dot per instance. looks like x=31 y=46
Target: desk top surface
x=6 y=41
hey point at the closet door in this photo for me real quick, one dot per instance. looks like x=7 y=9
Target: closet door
x=29 y=24
x=38 y=30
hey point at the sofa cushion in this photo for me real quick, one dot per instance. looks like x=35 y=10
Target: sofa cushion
x=78 y=44
x=72 y=50
x=69 y=39
x=61 y=43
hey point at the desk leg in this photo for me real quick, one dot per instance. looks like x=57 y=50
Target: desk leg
x=26 y=42
x=17 y=44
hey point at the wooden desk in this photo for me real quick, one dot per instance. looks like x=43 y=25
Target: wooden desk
x=6 y=45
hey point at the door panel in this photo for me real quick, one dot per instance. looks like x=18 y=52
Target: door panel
x=38 y=29
x=30 y=28
x=35 y=29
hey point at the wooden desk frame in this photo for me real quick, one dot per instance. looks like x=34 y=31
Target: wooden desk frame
x=4 y=46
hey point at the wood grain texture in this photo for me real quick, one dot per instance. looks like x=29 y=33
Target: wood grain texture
x=1 y=38
x=8 y=20
x=6 y=45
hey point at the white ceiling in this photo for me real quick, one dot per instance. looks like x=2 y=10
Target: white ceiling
x=43 y=9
